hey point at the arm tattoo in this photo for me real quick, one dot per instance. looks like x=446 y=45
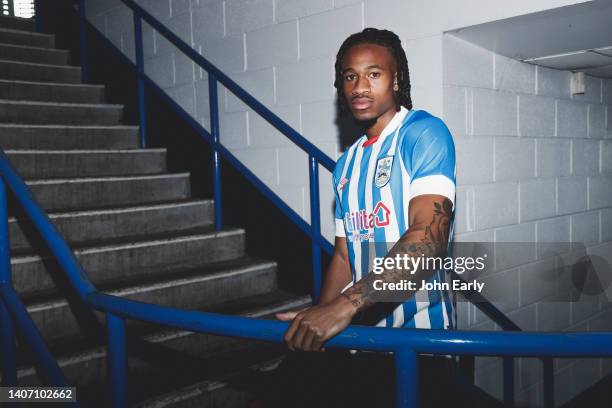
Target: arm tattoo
x=428 y=241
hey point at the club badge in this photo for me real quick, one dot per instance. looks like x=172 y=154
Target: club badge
x=383 y=171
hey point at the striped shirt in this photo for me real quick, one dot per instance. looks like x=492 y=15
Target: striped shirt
x=374 y=181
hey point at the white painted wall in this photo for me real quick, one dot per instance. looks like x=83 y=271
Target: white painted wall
x=533 y=164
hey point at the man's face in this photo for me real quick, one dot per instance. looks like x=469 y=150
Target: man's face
x=368 y=72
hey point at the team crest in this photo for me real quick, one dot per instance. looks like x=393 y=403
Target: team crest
x=383 y=171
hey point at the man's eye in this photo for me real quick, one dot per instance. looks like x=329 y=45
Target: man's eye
x=349 y=77
x=374 y=74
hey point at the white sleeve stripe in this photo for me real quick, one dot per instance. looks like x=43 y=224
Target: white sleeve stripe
x=435 y=184
x=340 y=228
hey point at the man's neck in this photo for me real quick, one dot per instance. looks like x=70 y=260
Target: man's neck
x=379 y=125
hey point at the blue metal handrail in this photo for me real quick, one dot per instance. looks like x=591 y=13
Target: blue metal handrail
x=405 y=344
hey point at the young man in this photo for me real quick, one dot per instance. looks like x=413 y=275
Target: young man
x=395 y=186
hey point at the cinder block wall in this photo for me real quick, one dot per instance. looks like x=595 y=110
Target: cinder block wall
x=533 y=166
x=282 y=51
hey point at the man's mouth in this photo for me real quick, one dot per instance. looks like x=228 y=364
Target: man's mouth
x=361 y=103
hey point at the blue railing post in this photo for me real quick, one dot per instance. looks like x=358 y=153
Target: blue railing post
x=7 y=329
x=315 y=226
x=83 y=41
x=406 y=379
x=549 y=382
x=142 y=118
x=117 y=359
x=508 y=367
x=214 y=132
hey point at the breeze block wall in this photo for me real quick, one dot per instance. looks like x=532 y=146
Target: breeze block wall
x=533 y=163
x=282 y=51
x=534 y=168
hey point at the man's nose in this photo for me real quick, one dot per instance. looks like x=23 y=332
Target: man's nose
x=362 y=85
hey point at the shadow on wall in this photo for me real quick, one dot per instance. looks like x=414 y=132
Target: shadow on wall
x=348 y=129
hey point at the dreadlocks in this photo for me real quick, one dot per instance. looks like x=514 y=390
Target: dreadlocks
x=392 y=42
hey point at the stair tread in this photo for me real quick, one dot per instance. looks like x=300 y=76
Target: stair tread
x=115 y=211
x=86 y=151
x=132 y=285
x=25 y=32
x=232 y=375
x=32 y=47
x=122 y=208
x=43 y=83
x=62 y=104
x=58 y=180
x=208 y=373
x=39 y=64
x=68 y=126
x=139 y=241
x=16 y=19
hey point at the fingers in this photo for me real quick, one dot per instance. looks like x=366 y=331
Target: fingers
x=293 y=328
x=300 y=337
x=286 y=316
x=306 y=338
x=317 y=343
x=309 y=337
x=290 y=315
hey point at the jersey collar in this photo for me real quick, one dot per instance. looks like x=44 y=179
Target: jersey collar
x=396 y=121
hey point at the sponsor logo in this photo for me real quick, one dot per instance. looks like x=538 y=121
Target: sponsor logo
x=357 y=221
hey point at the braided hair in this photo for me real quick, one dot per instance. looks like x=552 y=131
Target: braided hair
x=386 y=39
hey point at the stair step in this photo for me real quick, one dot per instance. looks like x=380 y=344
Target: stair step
x=231 y=390
x=18 y=136
x=59 y=113
x=21 y=37
x=215 y=374
x=85 y=365
x=87 y=163
x=195 y=288
x=122 y=261
x=34 y=54
x=83 y=227
x=103 y=192
x=51 y=92
x=29 y=71
x=18 y=23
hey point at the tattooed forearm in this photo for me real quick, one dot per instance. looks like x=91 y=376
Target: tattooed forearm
x=428 y=239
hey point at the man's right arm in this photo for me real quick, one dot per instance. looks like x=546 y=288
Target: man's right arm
x=338 y=273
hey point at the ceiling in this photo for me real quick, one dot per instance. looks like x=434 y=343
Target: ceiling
x=576 y=38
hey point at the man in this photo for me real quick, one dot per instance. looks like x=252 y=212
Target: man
x=394 y=186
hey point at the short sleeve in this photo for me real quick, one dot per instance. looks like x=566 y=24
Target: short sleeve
x=431 y=159
x=338 y=218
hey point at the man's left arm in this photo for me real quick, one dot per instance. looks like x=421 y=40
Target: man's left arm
x=430 y=216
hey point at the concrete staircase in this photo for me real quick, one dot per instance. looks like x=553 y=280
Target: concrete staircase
x=136 y=230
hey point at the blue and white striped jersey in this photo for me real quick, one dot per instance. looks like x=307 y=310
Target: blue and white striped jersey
x=374 y=181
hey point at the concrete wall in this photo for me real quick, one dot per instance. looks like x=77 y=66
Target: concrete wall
x=533 y=164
